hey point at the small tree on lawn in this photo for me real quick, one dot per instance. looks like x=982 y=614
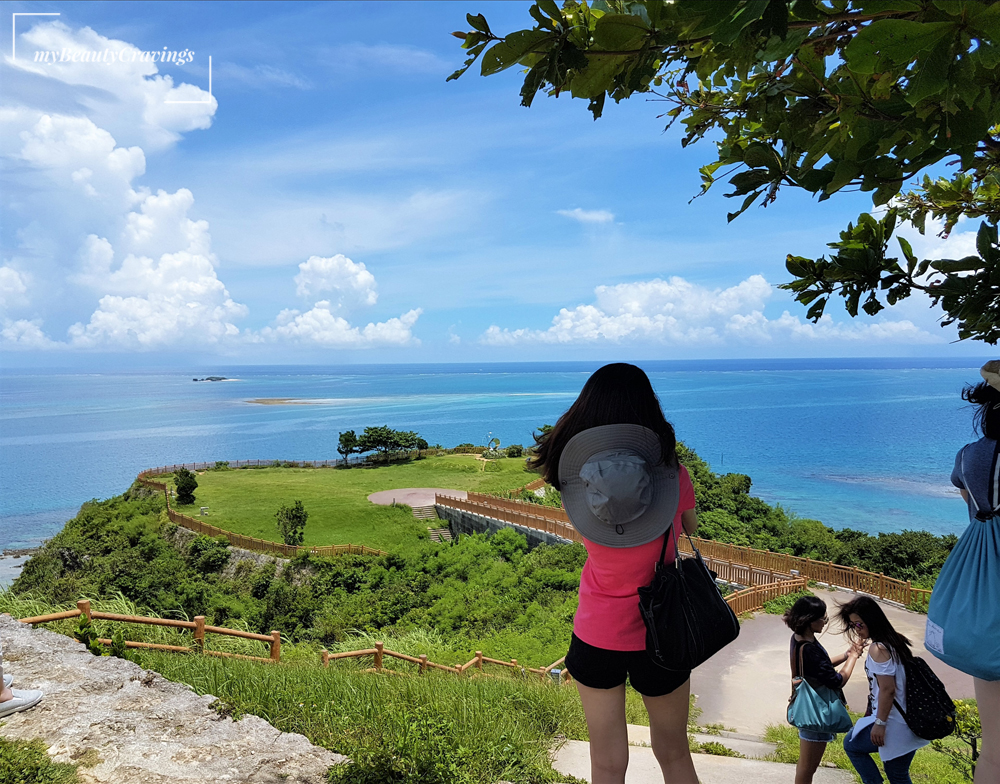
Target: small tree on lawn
x=348 y=444
x=292 y=522
x=186 y=485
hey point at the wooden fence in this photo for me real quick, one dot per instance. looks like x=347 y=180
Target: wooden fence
x=553 y=520
x=238 y=540
x=379 y=652
x=197 y=626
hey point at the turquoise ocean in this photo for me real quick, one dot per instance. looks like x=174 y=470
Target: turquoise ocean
x=867 y=444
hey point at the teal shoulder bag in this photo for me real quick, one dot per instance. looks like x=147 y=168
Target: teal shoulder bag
x=817 y=709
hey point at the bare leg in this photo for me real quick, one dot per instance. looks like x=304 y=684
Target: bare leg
x=810 y=754
x=605 y=712
x=988 y=699
x=668 y=716
x=5 y=693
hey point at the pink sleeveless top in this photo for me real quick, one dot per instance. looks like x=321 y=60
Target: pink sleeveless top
x=608 y=614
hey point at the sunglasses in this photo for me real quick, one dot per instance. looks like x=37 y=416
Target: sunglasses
x=858 y=624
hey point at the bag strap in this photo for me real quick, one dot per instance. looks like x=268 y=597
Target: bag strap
x=992 y=487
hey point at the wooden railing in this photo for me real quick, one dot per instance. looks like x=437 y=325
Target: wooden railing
x=553 y=520
x=197 y=626
x=238 y=540
x=753 y=599
x=379 y=652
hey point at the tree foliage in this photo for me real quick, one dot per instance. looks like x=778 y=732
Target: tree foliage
x=383 y=440
x=292 y=522
x=822 y=95
x=186 y=485
x=969 y=730
x=347 y=444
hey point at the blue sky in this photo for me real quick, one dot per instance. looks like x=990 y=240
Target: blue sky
x=334 y=200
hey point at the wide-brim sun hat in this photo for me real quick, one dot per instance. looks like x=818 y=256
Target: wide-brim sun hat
x=991 y=373
x=616 y=489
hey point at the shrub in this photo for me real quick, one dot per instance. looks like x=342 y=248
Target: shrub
x=207 y=555
x=292 y=522
x=492 y=467
x=221 y=465
x=780 y=604
x=186 y=485
x=515 y=450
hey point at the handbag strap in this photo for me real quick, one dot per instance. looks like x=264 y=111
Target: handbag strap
x=992 y=487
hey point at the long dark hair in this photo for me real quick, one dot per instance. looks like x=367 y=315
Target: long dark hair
x=804 y=613
x=879 y=628
x=617 y=394
x=986 y=418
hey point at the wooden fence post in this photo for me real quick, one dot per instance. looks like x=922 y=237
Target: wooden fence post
x=479 y=660
x=909 y=592
x=423 y=663
x=199 y=633
x=84 y=607
x=275 y=646
x=325 y=657
x=378 y=655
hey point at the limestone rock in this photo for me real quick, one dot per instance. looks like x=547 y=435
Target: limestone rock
x=132 y=725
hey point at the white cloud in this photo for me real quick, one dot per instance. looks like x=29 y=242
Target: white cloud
x=12 y=287
x=323 y=327
x=678 y=311
x=165 y=291
x=131 y=99
x=588 y=216
x=391 y=57
x=351 y=283
x=929 y=245
x=261 y=76
x=24 y=335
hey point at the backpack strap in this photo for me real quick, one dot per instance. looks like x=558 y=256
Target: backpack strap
x=992 y=488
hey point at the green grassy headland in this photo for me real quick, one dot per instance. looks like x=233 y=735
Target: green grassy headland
x=244 y=501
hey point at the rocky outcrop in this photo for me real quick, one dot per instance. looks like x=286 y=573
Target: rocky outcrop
x=126 y=724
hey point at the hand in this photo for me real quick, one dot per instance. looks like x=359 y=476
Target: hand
x=878 y=735
x=858 y=648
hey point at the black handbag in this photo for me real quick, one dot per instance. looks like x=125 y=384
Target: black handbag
x=687 y=620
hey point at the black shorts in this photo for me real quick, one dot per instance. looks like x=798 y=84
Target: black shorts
x=600 y=668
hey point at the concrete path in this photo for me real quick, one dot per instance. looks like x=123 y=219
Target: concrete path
x=413 y=496
x=746 y=686
x=573 y=759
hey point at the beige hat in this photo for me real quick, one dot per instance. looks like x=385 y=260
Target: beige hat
x=615 y=487
x=991 y=373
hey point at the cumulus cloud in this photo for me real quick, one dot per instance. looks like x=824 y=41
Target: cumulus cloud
x=679 y=311
x=351 y=283
x=12 y=287
x=165 y=291
x=322 y=326
x=588 y=216
x=24 y=335
x=129 y=97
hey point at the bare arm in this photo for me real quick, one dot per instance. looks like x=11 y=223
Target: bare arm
x=965 y=494
x=689 y=519
x=886 y=695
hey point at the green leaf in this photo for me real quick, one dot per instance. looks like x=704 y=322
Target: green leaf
x=619 y=32
x=729 y=29
x=746 y=181
x=508 y=51
x=932 y=74
x=967 y=264
x=890 y=42
x=730 y=217
x=478 y=22
x=597 y=78
x=760 y=155
x=551 y=8
x=911 y=259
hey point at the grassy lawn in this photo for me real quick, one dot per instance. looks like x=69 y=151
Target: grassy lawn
x=245 y=500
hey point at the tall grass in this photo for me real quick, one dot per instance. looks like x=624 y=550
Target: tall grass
x=435 y=727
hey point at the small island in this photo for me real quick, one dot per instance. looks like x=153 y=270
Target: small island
x=211 y=378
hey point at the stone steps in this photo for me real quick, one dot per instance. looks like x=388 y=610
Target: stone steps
x=573 y=759
x=425 y=512
x=440 y=534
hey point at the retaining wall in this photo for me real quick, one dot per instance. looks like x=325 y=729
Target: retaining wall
x=461 y=522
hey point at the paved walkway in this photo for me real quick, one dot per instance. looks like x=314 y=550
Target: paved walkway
x=413 y=496
x=746 y=685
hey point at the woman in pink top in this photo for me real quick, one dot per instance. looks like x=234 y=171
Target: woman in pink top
x=613 y=456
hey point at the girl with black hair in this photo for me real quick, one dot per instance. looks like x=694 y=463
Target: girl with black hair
x=963 y=620
x=613 y=457
x=807 y=618
x=882 y=729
